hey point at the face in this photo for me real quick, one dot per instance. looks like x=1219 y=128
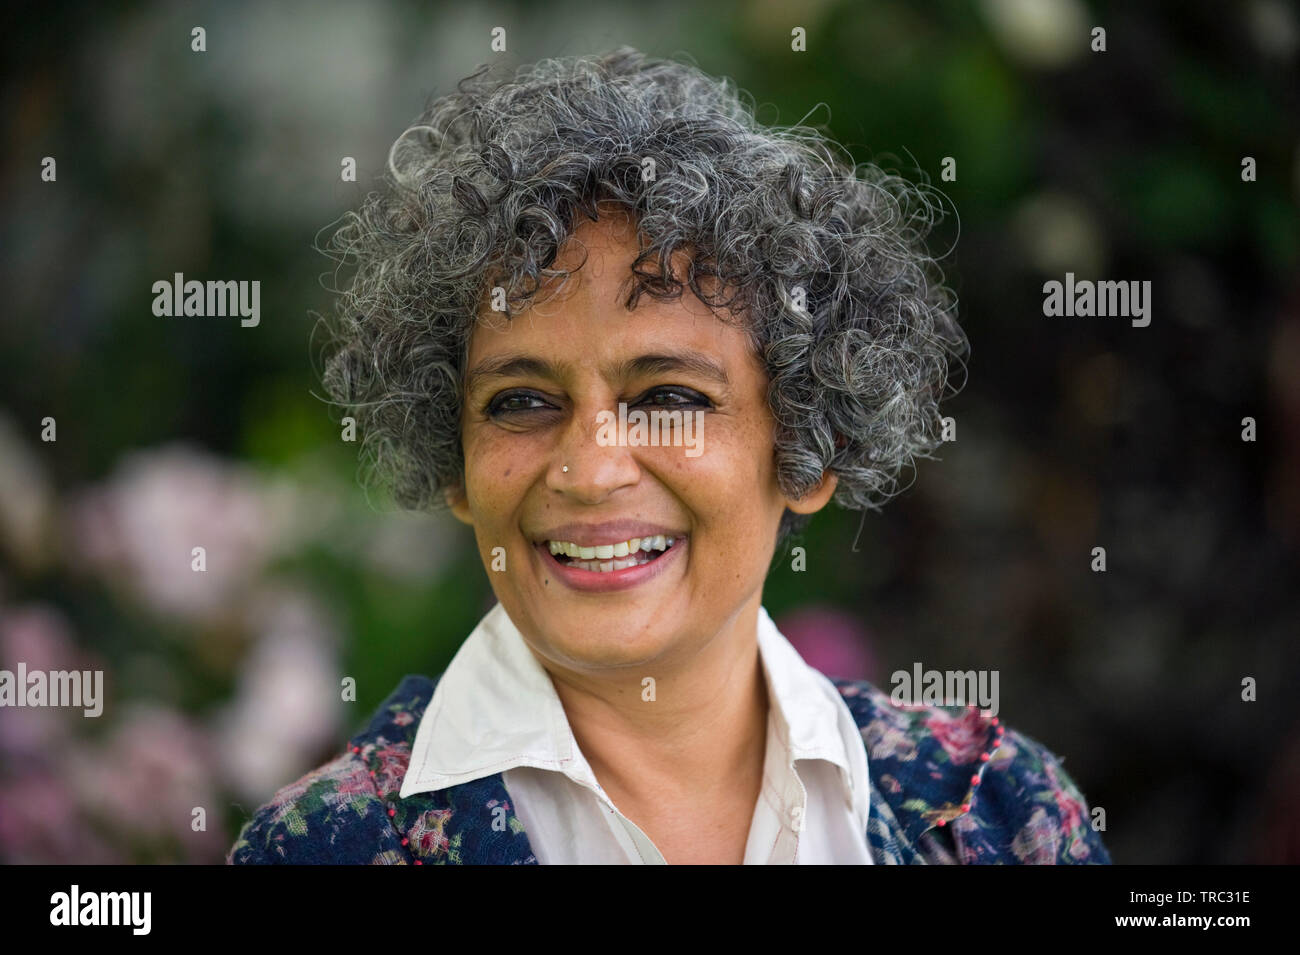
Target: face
x=536 y=386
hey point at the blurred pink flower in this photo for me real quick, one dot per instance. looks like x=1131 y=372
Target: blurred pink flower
x=40 y=637
x=141 y=785
x=831 y=642
x=41 y=824
x=140 y=528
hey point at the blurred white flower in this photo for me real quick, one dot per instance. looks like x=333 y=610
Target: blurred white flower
x=1040 y=33
x=26 y=500
x=1273 y=27
x=408 y=546
x=1059 y=234
x=288 y=703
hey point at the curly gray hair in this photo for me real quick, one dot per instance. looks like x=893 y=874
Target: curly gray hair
x=823 y=259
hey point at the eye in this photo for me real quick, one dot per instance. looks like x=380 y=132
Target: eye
x=524 y=402
x=513 y=402
x=685 y=397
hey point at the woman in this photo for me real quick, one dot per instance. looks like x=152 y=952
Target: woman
x=636 y=340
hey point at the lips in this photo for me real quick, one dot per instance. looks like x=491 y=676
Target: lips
x=603 y=576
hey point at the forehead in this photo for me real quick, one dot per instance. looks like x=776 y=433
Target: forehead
x=586 y=321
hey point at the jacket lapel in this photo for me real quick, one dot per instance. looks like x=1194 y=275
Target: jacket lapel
x=470 y=824
x=924 y=764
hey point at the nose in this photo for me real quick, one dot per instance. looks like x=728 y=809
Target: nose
x=596 y=467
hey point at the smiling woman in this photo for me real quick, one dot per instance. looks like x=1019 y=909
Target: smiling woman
x=620 y=233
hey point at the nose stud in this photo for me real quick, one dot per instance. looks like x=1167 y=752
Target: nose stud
x=566 y=469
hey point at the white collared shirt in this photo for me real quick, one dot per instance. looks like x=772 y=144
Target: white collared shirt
x=495 y=710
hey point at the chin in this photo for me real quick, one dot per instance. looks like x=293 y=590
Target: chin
x=591 y=642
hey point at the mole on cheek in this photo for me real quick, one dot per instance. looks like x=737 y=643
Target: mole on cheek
x=507 y=474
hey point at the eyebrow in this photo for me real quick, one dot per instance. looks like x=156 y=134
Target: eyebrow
x=519 y=366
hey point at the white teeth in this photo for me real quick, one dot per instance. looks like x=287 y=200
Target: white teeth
x=605 y=566
x=604 y=558
x=606 y=551
x=616 y=556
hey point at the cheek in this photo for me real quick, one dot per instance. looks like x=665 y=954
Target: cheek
x=495 y=474
x=730 y=488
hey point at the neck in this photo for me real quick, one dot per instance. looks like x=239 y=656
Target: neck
x=703 y=729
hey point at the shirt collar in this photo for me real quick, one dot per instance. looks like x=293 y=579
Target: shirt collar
x=495 y=708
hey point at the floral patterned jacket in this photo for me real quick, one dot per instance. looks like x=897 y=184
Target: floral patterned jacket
x=948 y=785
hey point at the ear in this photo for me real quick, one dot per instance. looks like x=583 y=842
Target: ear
x=458 y=504
x=817 y=498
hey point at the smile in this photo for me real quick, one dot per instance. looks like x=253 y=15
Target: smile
x=623 y=568
x=606 y=558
